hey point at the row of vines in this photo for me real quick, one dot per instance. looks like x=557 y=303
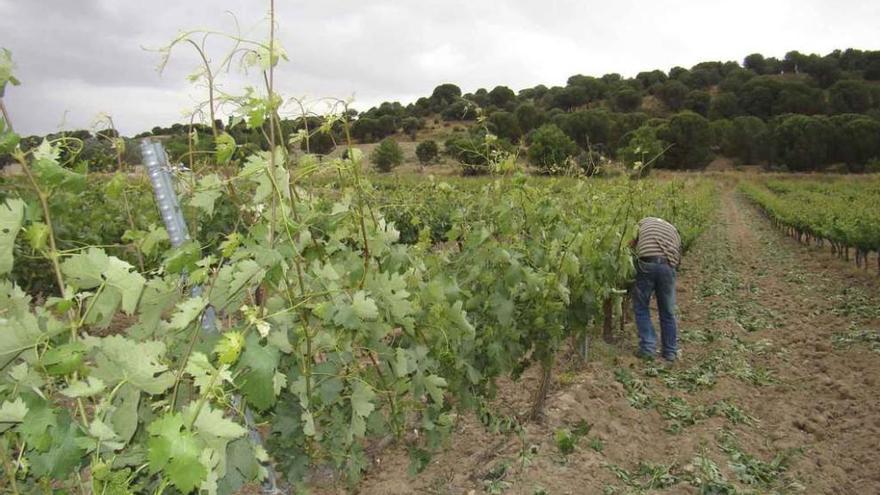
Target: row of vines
x=843 y=213
x=349 y=311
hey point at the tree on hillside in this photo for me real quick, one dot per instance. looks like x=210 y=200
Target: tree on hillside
x=446 y=94
x=587 y=127
x=411 y=126
x=460 y=110
x=854 y=140
x=849 y=96
x=724 y=106
x=801 y=142
x=698 y=101
x=504 y=125
x=648 y=79
x=798 y=97
x=387 y=155
x=749 y=139
x=690 y=137
x=627 y=100
x=754 y=62
x=426 y=151
x=593 y=88
x=528 y=117
x=501 y=96
x=673 y=93
x=550 y=148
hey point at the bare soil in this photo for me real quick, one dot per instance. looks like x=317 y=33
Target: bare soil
x=774 y=392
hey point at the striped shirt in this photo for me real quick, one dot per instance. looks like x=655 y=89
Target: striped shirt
x=657 y=237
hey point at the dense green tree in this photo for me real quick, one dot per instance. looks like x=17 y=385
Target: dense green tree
x=528 y=117
x=621 y=125
x=855 y=140
x=627 y=100
x=754 y=62
x=698 y=101
x=735 y=79
x=593 y=88
x=427 y=151
x=673 y=93
x=648 y=79
x=690 y=137
x=588 y=128
x=550 y=148
x=505 y=125
x=460 y=110
x=849 y=96
x=801 y=142
x=411 y=126
x=387 y=155
x=758 y=96
x=798 y=97
x=724 y=106
x=446 y=94
x=502 y=96
x=749 y=139
x=642 y=149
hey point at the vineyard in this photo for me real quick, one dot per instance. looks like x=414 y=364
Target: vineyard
x=344 y=317
x=843 y=213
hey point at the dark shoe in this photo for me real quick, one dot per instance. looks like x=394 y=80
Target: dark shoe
x=644 y=356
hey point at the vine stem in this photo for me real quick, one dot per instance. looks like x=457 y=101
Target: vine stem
x=9 y=468
x=6 y=115
x=44 y=204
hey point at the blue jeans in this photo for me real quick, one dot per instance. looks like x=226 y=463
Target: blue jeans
x=659 y=278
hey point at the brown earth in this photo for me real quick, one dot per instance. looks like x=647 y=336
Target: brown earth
x=764 y=323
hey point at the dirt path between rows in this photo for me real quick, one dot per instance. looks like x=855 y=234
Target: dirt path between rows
x=775 y=391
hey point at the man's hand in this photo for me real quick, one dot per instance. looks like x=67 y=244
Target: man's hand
x=633 y=242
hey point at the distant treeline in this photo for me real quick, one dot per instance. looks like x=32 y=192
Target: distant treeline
x=803 y=112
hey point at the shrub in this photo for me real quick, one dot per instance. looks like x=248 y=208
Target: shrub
x=387 y=155
x=411 y=126
x=427 y=151
x=642 y=148
x=550 y=148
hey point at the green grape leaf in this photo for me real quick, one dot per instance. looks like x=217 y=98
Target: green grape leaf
x=257 y=366
x=434 y=385
x=20 y=328
x=232 y=282
x=159 y=295
x=50 y=175
x=224 y=147
x=138 y=363
x=364 y=307
x=175 y=451
x=37 y=234
x=37 y=425
x=64 y=359
x=187 y=312
x=64 y=454
x=11 y=216
x=88 y=388
x=12 y=413
x=125 y=418
x=211 y=422
x=122 y=286
x=208 y=189
x=362 y=399
x=104 y=433
x=229 y=347
x=205 y=375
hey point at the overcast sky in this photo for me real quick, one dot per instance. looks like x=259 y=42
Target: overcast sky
x=77 y=59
